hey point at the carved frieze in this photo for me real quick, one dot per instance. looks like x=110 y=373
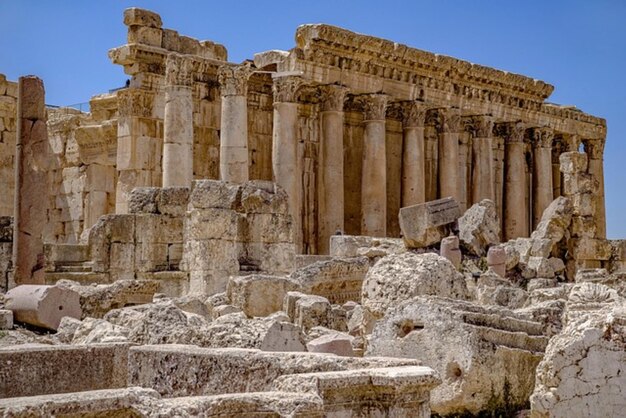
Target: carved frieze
x=286 y=88
x=512 y=132
x=451 y=120
x=413 y=114
x=178 y=70
x=135 y=102
x=332 y=97
x=233 y=79
x=543 y=137
x=374 y=106
x=479 y=126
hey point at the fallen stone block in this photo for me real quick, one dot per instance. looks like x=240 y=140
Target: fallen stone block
x=479 y=227
x=333 y=343
x=364 y=246
x=496 y=260
x=42 y=305
x=427 y=223
x=259 y=295
x=310 y=311
x=450 y=250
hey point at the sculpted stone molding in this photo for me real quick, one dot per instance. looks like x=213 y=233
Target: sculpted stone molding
x=135 y=102
x=414 y=114
x=512 y=132
x=233 y=79
x=332 y=97
x=286 y=88
x=374 y=106
x=451 y=119
x=595 y=149
x=178 y=70
x=479 y=126
x=543 y=137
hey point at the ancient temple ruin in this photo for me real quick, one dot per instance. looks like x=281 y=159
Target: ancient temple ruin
x=351 y=196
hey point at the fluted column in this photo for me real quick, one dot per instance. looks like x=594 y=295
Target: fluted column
x=233 y=81
x=483 y=179
x=286 y=170
x=374 y=176
x=413 y=154
x=330 y=174
x=449 y=153
x=515 y=210
x=178 y=123
x=542 y=172
x=595 y=153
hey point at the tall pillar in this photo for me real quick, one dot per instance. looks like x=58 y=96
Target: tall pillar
x=542 y=172
x=178 y=123
x=233 y=81
x=556 y=167
x=374 y=176
x=330 y=213
x=32 y=157
x=413 y=154
x=595 y=152
x=515 y=210
x=286 y=167
x=449 y=153
x=465 y=156
x=483 y=173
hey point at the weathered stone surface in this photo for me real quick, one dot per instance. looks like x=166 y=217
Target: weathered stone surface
x=364 y=246
x=259 y=295
x=92 y=330
x=333 y=343
x=485 y=357
x=496 y=260
x=492 y=289
x=42 y=305
x=427 y=223
x=6 y=319
x=479 y=227
x=451 y=251
x=555 y=220
x=397 y=278
x=144 y=200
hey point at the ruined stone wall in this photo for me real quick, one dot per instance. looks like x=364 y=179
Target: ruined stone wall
x=8 y=131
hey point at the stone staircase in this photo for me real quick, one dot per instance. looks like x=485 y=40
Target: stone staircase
x=71 y=262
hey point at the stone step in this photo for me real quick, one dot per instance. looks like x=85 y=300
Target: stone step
x=519 y=340
x=504 y=323
x=86 y=278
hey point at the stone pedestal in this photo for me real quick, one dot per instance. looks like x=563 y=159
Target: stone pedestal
x=482 y=159
x=449 y=154
x=32 y=158
x=234 y=126
x=542 y=172
x=374 y=176
x=330 y=173
x=286 y=169
x=515 y=210
x=413 y=154
x=178 y=124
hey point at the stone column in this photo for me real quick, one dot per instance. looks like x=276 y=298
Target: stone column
x=515 y=210
x=542 y=172
x=483 y=179
x=178 y=123
x=465 y=156
x=286 y=167
x=413 y=154
x=374 y=176
x=330 y=212
x=556 y=167
x=32 y=157
x=449 y=153
x=234 y=126
x=595 y=152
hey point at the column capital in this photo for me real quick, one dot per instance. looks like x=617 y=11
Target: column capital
x=479 y=126
x=512 y=132
x=286 y=88
x=543 y=137
x=570 y=142
x=451 y=120
x=178 y=70
x=332 y=97
x=374 y=106
x=595 y=148
x=413 y=114
x=233 y=79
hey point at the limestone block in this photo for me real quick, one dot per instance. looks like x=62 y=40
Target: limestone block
x=479 y=227
x=91 y=331
x=144 y=200
x=427 y=223
x=486 y=356
x=555 y=220
x=121 y=228
x=259 y=196
x=579 y=183
x=573 y=162
x=396 y=278
x=171 y=283
x=212 y=254
x=138 y=152
x=206 y=194
x=223 y=310
x=538 y=267
x=333 y=343
x=496 y=260
x=96 y=205
x=583 y=204
x=158 y=229
x=6 y=319
x=144 y=35
x=589 y=249
x=208 y=282
x=173 y=201
x=451 y=251
x=150 y=256
x=311 y=311
x=142 y=17
x=583 y=227
x=6 y=229
x=122 y=257
x=371 y=247
x=174 y=255
x=214 y=223
x=100 y=178
x=289 y=303
x=271 y=258
x=259 y=295
x=491 y=289
x=268 y=227
x=42 y=305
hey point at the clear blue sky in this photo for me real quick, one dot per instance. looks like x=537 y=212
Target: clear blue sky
x=578 y=46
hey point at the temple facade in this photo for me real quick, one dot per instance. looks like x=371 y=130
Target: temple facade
x=352 y=127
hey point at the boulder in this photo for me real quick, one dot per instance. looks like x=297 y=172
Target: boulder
x=479 y=227
x=333 y=343
x=427 y=223
x=400 y=277
x=555 y=220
